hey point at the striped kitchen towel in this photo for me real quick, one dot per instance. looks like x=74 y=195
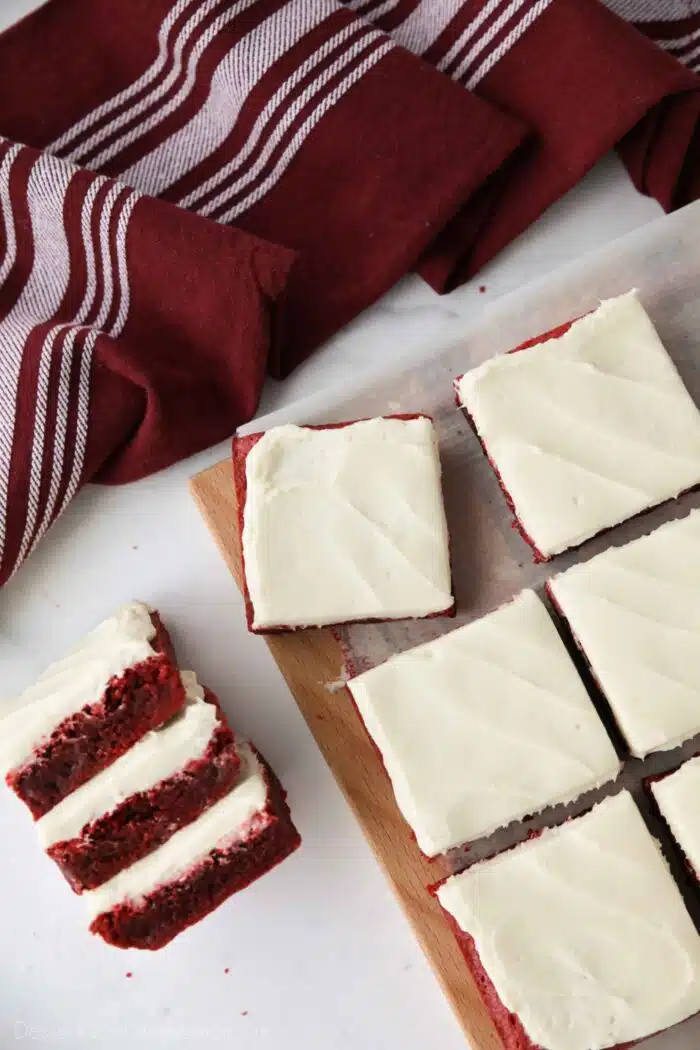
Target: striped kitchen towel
x=292 y=119
x=131 y=334
x=369 y=137
x=581 y=78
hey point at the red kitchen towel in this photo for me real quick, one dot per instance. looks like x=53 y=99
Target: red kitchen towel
x=131 y=334
x=293 y=119
x=674 y=25
x=654 y=151
x=583 y=79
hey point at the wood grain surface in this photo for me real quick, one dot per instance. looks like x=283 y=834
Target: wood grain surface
x=309 y=660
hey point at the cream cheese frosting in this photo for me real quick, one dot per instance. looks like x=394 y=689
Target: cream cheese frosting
x=635 y=612
x=588 y=429
x=79 y=679
x=484 y=725
x=583 y=932
x=160 y=754
x=222 y=824
x=346 y=524
x=678 y=798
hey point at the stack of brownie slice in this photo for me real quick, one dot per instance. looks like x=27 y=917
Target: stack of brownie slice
x=153 y=810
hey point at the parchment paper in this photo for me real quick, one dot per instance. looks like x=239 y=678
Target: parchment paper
x=491 y=562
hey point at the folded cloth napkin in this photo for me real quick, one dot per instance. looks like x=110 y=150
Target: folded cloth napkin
x=131 y=334
x=293 y=119
x=654 y=152
x=581 y=78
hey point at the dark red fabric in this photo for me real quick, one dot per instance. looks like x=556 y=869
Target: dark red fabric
x=289 y=119
x=131 y=334
x=375 y=173
x=194 y=353
x=306 y=125
x=584 y=81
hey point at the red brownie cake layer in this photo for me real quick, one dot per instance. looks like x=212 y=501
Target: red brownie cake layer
x=161 y=641
x=145 y=819
x=200 y=866
x=141 y=699
x=87 y=710
x=242 y=446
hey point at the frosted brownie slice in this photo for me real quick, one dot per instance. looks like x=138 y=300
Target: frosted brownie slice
x=159 y=785
x=585 y=427
x=342 y=523
x=484 y=725
x=89 y=708
x=678 y=799
x=235 y=841
x=634 y=612
x=578 y=939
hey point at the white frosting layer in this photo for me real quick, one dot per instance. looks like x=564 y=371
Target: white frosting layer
x=635 y=611
x=79 y=679
x=678 y=798
x=219 y=826
x=589 y=429
x=346 y=524
x=160 y=754
x=483 y=726
x=583 y=932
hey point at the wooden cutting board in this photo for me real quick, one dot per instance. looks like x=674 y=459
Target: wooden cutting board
x=309 y=660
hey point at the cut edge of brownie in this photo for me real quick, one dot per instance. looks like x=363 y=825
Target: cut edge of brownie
x=241 y=447
x=139 y=699
x=607 y=714
x=553 y=333
x=538 y=557
x=161 y=915
x=147 y=819
x=161 y=641
x=651 y=800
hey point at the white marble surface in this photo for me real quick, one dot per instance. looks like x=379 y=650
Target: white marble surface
x=318 y=953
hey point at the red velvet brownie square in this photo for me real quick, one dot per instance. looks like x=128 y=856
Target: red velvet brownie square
x=483 y=726
x=232 y=843
x=89 y=708
x=161 y=784
x=342 y=523
x=585 y=427
x=578 y=939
